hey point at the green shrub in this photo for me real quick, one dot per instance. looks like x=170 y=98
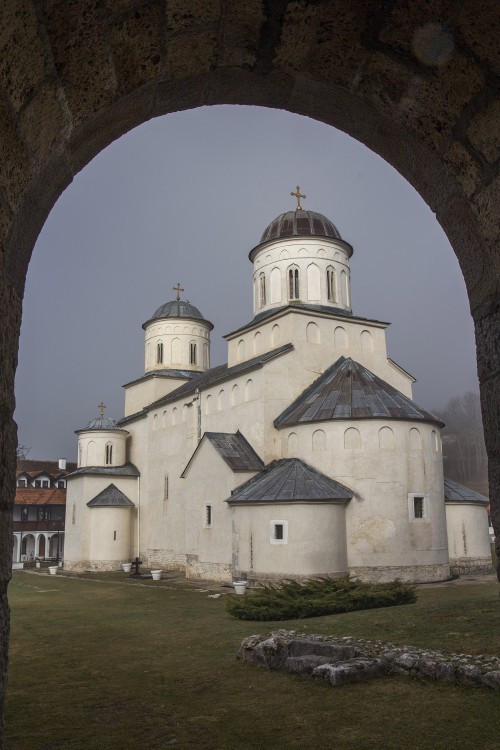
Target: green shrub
x=292 y=600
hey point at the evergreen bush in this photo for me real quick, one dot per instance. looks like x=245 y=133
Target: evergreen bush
x=292 y=600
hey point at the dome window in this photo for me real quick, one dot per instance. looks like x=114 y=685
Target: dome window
x=193 y=353
x=330 y=284
x=262 y=290
x=293 y=283
x=159 y=354
x=109 y=454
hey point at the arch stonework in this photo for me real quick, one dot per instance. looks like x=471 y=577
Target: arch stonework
x=415 y=84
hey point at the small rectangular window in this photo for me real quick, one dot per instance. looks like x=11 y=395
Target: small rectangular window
x=278 y=532
x=38 y=483
x=60 y=484
x=114 y=536
x=208 y=515
x=21 y=483
x=418 y=506
x=45 y=483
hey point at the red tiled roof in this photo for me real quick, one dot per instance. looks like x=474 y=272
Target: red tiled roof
x=39 y=496
x=33 y=467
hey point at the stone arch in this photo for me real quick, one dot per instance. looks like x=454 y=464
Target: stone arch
x=319 y=440
x=340 y=337
x=366 y=341
x=386 y=439
x=80 y=90
x=221 y=400
x=176 y=351
x=352 y=438
x=257 y=343
x=415 y=439
x=249 y=390
x=292 y=443
x=313 y=333
x=275 y=335
x=235 y=395
x=208 y=404
x=241 y=350
x=275 y=283
x=313 y=283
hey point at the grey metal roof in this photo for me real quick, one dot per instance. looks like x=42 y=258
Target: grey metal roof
x=289 y=480
x=102 y=423
x=178 y=308
x=234 y=449
x=216 y=375
x=300 y=223
x=457 y=493
x=324 y=309
x=109 y=498
x=127 y=470
x=165 y=373
x=347 y=390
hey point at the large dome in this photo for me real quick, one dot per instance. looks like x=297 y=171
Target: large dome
x=300 y=223
x=102 y=423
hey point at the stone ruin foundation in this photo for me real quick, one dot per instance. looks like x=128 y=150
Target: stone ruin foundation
x=342 y=661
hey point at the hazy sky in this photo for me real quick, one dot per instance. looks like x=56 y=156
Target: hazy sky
x=184 y=198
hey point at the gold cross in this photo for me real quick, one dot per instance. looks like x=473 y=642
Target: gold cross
x=298 y=195
x=178 y=289
x=101 y=408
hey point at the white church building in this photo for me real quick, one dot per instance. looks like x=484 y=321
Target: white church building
x=303 y=456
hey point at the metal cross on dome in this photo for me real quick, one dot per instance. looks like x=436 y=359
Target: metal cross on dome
x=178 y=289
x=298 y=195
x=101 y=408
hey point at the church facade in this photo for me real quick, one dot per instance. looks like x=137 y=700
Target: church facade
x=304 y=455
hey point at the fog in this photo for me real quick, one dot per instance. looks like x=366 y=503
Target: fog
x=183 y=198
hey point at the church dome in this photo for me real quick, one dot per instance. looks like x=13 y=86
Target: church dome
x=300 y=223
x=177 y=308
x=102 y=423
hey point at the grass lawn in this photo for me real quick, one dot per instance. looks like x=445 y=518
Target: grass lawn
x=108 y=664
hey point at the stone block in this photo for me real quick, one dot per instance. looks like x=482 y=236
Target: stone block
x=23 y=61
x=240 y=33
x=445 y=671
x=483 y=131
x=464 y=167
x=43 y=121
x=304 y=664
x=485 y=205
x=426 y=667
x=467 y=674
x=356 y=670
x=194 y=14
x=297 y=35
x=14 y=161
x=332 y=651
x=492 y=679
x=75 y=32
x=191 y=54
x=137 y=47
x=475 y=23
x=405 y=661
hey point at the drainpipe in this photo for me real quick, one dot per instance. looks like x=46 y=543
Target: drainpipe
x=138 y=517
x=198 y=396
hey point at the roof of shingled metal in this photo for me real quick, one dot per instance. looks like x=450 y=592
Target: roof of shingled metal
x=289 y=480
x=347 y=390
x=110 y=497
x=454 y=492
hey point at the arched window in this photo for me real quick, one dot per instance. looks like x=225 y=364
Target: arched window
x=235 y=395
x=221 y=400
x=366 y=341
x=352 y=439
x=275 y=285
x=109 y=454
x=176 y=351
x=275 y=335
x=208 y=404
x=345 y=288
x=249 y=390
x=262 y=290
x=293 y=283
x=241 y=350
x=312 y=333
x=257 y=343
x=435 y=440
x=340 y=338
x=319 y=440
x=192 y=353
x=331 y=287
x=206 y=358
x=386 y=439
x=313 y=282
x=291 y=445
x=415 y=439
x=174 y=415
x=159 y=353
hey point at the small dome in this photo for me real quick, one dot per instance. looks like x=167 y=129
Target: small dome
x=177 y=309
x=102 y=423
x=300 y=223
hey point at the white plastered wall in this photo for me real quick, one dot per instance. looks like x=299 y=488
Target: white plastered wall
x=176 y=335
x=468 y=537
x=92 y=447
